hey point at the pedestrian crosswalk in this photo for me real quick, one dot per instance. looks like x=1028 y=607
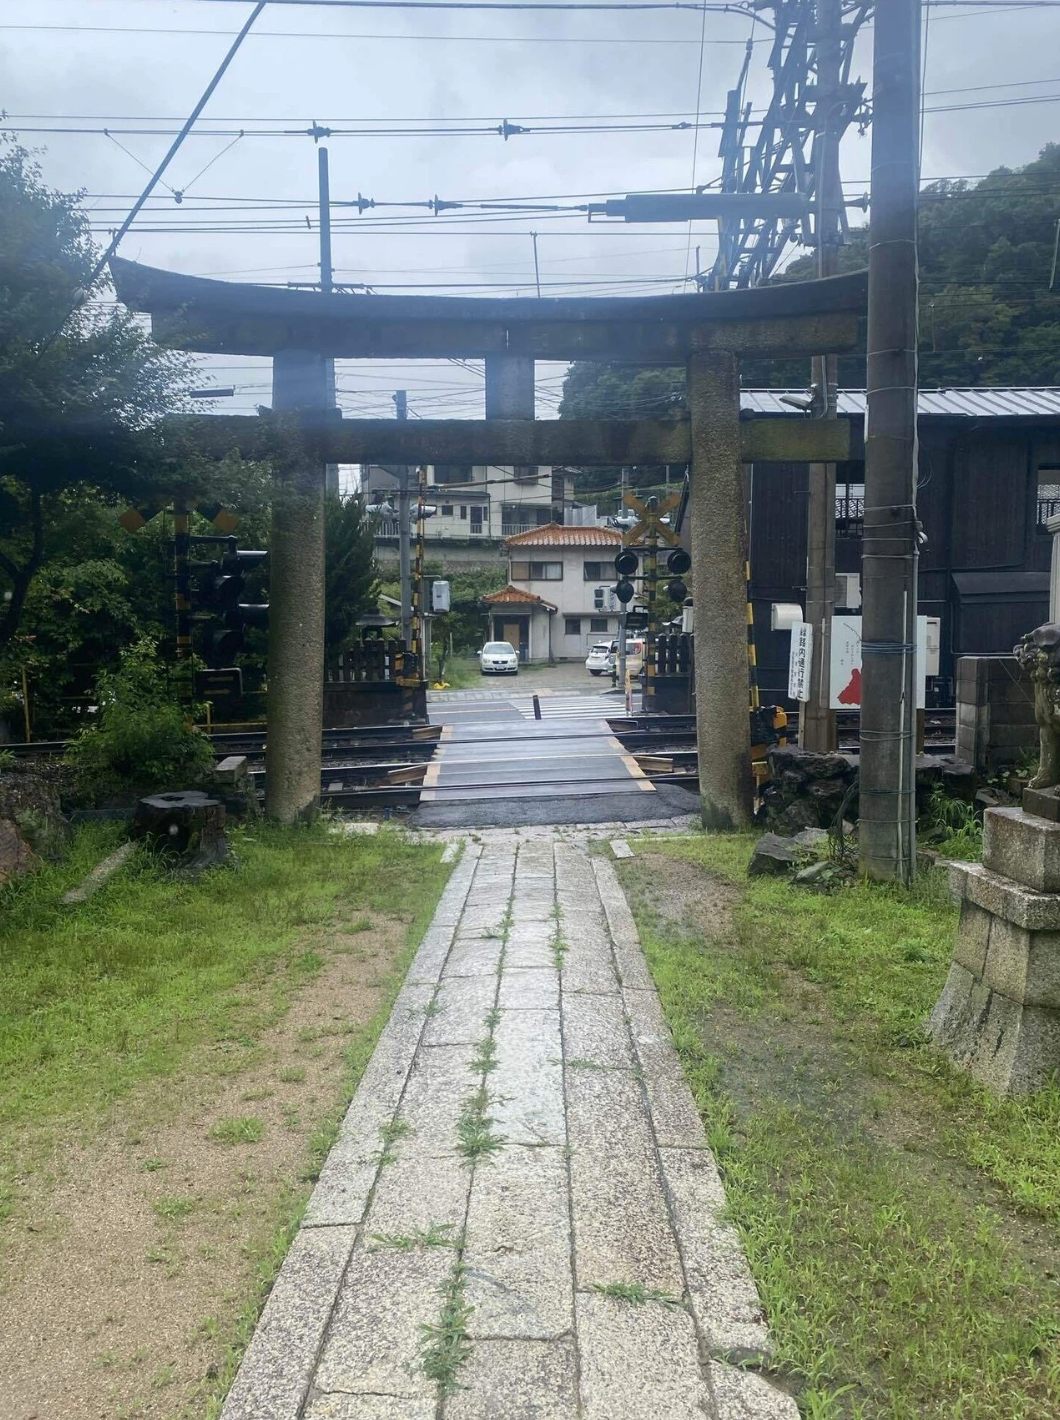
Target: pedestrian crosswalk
x=575 y=706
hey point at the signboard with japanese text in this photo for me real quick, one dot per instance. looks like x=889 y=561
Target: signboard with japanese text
x=800 y=661
x=846 y=662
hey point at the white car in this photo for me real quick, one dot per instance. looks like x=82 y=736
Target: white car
x=499 y=658
x=598 y=661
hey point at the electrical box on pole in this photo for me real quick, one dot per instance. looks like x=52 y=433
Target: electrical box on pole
x=439 y=596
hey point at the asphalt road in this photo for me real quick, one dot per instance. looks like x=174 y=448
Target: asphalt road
x=497 y=765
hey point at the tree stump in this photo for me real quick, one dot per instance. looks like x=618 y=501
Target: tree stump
x=188 y=827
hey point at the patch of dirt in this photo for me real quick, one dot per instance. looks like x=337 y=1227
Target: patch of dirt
x=125 y=1269
x=681 y=892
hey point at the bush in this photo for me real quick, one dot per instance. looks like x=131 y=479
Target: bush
x=141 y=741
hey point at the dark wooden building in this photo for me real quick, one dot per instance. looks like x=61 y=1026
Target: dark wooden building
x=989 y=479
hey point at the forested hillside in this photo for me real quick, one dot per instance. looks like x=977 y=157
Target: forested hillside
x=989 y=299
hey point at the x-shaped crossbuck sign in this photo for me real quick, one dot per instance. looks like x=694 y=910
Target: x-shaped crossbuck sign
x=650 y=524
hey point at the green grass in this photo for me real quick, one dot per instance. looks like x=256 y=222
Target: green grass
x=445 y=1345
x=462 y=673
x=151 y=971
x=634 y=1292
x=175 y=1209
x=902 y=1224
x=237 y=1129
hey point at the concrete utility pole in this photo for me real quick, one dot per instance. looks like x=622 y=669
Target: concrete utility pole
x=331 y=475
x=295 y=704
x=401 y=408
x=620 y=661
x=816 y=720
x=723 y=722
x=887 y=821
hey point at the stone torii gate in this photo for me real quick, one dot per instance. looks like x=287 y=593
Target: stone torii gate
x=707 y=332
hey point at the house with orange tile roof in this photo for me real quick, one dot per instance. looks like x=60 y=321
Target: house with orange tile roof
x=559 y=600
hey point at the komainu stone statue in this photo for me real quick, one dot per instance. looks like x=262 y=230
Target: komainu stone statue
x=1039 y=654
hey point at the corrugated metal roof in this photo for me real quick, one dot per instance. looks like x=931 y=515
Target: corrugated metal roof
x=976 y=402
x=568 y=535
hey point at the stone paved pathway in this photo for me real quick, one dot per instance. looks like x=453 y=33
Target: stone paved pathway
x=521 y=1198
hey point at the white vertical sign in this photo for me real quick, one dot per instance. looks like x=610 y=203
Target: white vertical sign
x=800 y=661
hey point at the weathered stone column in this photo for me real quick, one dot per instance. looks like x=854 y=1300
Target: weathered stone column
x=718 y=572
x=295 y=704
x=509 y=387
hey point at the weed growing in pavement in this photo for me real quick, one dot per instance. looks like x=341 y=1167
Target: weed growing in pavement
x=445 y=1345
x=390 y=1134
x=437 y=1235
x=485 y=1057
x=474 y=1129
x=635 y=1292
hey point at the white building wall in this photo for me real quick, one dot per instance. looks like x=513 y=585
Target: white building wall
x=574 y=596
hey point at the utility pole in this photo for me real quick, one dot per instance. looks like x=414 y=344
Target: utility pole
x=331 y=473
x=401 y=408
x=620 y=659
x=537 y=268
x=887 y=795
x=817 y=721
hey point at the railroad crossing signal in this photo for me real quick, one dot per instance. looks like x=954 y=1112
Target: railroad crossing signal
x=136 y=517
x=649 y=525
x=220 y=590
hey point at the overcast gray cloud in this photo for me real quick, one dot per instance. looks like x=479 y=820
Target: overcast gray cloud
x=125 y=60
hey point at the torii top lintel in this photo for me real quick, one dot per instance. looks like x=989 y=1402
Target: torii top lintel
x=237 y=318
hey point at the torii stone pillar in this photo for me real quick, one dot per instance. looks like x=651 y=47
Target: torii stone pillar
x=295 y=702
x=719 y=556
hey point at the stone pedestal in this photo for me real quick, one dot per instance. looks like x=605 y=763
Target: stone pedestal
x=999 y=1012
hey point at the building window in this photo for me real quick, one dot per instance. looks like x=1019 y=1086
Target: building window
x=598 y=623
x=476 y=519
x=463 y=511
x=1048 y=495
x=572 y=626
x=525 y=473
x=537 y=571
x=453 y=473
x=447 y=510
x=598 y=571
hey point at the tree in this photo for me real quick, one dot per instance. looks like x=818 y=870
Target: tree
x=82 y=387
x=350 y=585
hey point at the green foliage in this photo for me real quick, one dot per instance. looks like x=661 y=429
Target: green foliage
x=350 y=586
x=953 y=826
x=987 y=315
x=141 y=740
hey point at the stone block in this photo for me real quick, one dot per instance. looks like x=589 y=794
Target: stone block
x=518 y=1251
x=334 y=1405
x=1000 y=896
x=1042 y=804
x=614 y=1175
x=474 y=957
x=639 y=1362
x=459 y=1010
x=1023 y=847
x=723 y=1294
x=529 y=989
x=518 y=1380
x=527 y=1086
x=742 y=1395
x=973 y=932
x=595 y=1031
x=277 y=1369
x=374 y=1342
x=674 y=1115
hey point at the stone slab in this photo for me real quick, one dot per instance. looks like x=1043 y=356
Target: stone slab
x=595 y=1031
x=1034 y=910
x=474 y=957
x=518 y=1248
x=518 y=1380
x=1023 y=847
x=724 y=1298
x=973 y=934
x=629 y=957
x=639 y=1362
x=527 y=1086
x=673 y=1110
x=620 y=848
x=460 y=1008
x=614 y=1175
x=278 y=1367
x=742 y=1395
x=587 y=960
x=534 y=989
x=374 y=1342
x=1042 y=803
x=335 y=1405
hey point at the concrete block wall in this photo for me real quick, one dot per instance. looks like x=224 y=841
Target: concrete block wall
x=995 y=711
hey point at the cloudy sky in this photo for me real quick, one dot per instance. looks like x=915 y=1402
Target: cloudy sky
x=992 y=96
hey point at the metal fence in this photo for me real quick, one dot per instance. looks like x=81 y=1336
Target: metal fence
x=373 y=660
